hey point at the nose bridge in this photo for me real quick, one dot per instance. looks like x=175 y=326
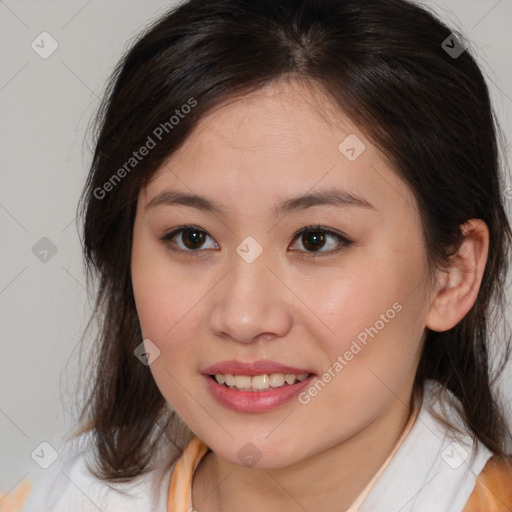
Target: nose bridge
x=251 y=301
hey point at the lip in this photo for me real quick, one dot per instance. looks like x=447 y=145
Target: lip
x=255 y=401
x=263 y=366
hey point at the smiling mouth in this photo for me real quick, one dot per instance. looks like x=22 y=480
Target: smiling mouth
x=263 y=382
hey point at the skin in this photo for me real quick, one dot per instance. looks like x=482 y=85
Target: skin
x=289 y=306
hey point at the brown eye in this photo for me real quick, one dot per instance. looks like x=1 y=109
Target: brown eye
x=315 y=238
x=192 y=239
x=187 y=239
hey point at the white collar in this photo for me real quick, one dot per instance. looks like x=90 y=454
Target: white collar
x=433 y=469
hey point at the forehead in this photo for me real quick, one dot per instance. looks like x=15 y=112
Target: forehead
x=284 y=139
x=282 y=117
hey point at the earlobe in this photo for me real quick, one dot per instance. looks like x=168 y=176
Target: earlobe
x=458 y=288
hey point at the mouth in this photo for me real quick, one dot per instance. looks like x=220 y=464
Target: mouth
x=258 y=383
x=256 y=386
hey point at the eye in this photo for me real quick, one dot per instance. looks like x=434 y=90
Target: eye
x=190 y=239
x=314 y=238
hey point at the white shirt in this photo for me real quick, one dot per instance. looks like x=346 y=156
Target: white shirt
x=67 y=486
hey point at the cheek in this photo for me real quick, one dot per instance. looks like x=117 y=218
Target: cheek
x=360 y=300
x=167 y=300
x=371 y=354
x=165 y=294
x=372 y=320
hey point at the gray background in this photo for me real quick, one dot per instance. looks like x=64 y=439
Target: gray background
x=46 y=105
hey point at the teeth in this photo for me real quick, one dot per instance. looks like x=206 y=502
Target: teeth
x=242 y=381
x=290 y=379
x=277 y=380
x=258 y=382
x=229 y=380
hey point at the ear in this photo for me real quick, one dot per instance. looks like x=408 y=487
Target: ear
x=457 y=288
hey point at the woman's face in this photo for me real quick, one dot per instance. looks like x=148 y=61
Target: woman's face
x=238 y=287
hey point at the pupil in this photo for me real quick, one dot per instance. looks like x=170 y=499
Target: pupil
x=193 y=239
x=313 y=240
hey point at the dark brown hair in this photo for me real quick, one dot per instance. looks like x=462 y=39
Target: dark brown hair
x=383 y=63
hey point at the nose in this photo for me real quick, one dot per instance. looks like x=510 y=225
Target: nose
x=251 y=303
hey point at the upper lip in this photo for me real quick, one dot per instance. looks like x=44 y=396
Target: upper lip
x=261 y=367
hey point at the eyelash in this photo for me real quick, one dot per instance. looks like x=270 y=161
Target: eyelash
x=342 y=239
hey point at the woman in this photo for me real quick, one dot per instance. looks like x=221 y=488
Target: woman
x=296 y=217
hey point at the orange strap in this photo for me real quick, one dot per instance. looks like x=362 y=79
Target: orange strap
x=493 y=488
x=14 y=501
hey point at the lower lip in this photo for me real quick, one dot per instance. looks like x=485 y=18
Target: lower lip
x=255 y=401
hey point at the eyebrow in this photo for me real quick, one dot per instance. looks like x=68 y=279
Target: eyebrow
x=330 y=197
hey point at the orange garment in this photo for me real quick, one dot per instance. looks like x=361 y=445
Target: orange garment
x=179 y=497
x=493 y=489
x=13 y=502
